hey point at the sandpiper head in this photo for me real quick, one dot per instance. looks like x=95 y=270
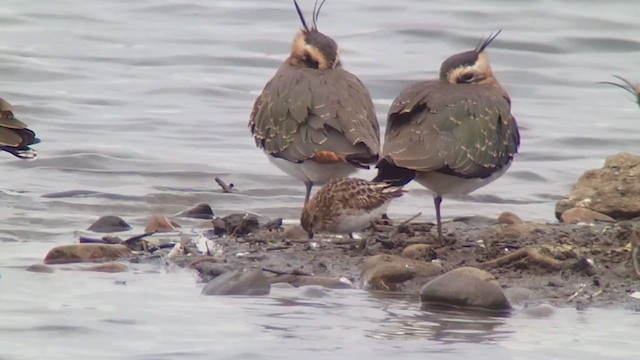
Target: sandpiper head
x=469 y=67
x=306 y=221
x=311 y=48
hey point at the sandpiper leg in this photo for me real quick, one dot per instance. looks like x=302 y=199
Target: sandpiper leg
x=437 y=201
x=307 y=195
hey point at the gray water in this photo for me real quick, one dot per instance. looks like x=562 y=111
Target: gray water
x=144 y=102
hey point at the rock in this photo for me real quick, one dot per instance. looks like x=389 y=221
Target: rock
x=110 y=267
x=209 y=270
x=282 y=285
x=238 y=282
x=539 y=311
x=274 y=224
x=241 y=224
x=613 y=190
x=109 y=224
x=66 y=254
x=39 y=268
x=198 y=211
x=578 y=214
x=219 y=226
x=295 y=232
x=304 y=280
x=465 y=287
x=314 y=292
x=388 y=272
x=510 y=218
x=160 y=223
x=422 y=252
x=519 y=295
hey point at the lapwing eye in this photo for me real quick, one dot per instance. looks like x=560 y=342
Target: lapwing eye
x=466 y=78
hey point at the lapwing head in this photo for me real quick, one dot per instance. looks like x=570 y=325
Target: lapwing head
x=469 y=67
x=311 y=48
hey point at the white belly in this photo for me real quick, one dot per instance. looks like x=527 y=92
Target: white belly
x=441 y=184
x=355 y=220
x=312 y=171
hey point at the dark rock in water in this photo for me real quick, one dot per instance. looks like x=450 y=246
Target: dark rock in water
x=111 y=267
x=198 y=211
x=509 y=218
x=219 y=226
x=465 y=287
x=313 y=292
x=160 y=223
x=584 y=215
x=519 y=295
x=238 y=282
x=209 y=270
x=388 y=272
x=109 y=224
x=66 y=254
x=422 y=252
x=613 y=190
x=306 y=280
x=274 y=224
x=39 y=268
x=539 y=311
x=240 y=224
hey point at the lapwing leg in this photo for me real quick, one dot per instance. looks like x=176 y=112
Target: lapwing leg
x=307 y=195
x=437 y=201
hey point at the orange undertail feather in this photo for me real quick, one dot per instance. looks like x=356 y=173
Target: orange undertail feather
x=327 y=157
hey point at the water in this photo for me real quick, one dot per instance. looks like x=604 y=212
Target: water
x=146 y=102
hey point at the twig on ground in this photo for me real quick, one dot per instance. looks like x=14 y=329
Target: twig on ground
x=410 y=219
x=573 y=296
x=528 y=252
x=225 y=188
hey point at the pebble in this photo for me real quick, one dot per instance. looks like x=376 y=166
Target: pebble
x=109 y=224
x=465 y=287
x=238 y=282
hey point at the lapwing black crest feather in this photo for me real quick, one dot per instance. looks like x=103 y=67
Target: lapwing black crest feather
x=484 y=43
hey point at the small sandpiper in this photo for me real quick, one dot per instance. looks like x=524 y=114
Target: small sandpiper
x=454 y=134
x=15 y=137
x=347 y=205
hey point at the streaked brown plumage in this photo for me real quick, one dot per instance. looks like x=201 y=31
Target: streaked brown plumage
x=454 y=134
x=627 y=86
x=347 y=205
x=15 y=137
x=315 y=120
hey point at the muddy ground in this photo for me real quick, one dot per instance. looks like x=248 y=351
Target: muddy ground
x=564 y=264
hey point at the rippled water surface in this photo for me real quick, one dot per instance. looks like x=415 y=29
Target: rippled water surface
x=142 y=103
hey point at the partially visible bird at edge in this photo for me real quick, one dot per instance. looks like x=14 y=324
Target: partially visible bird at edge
x=315 y=120
x=627 y=86
x=453 y=134
x=15 y=137
x=347 y=205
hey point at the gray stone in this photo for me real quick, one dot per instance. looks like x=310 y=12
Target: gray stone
x=519 y=295
x=40 y=268
x=238 y=282
x=109 y=224
x=465 y=287
x=313 y=291
x=539 y=311
x=198 y=211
